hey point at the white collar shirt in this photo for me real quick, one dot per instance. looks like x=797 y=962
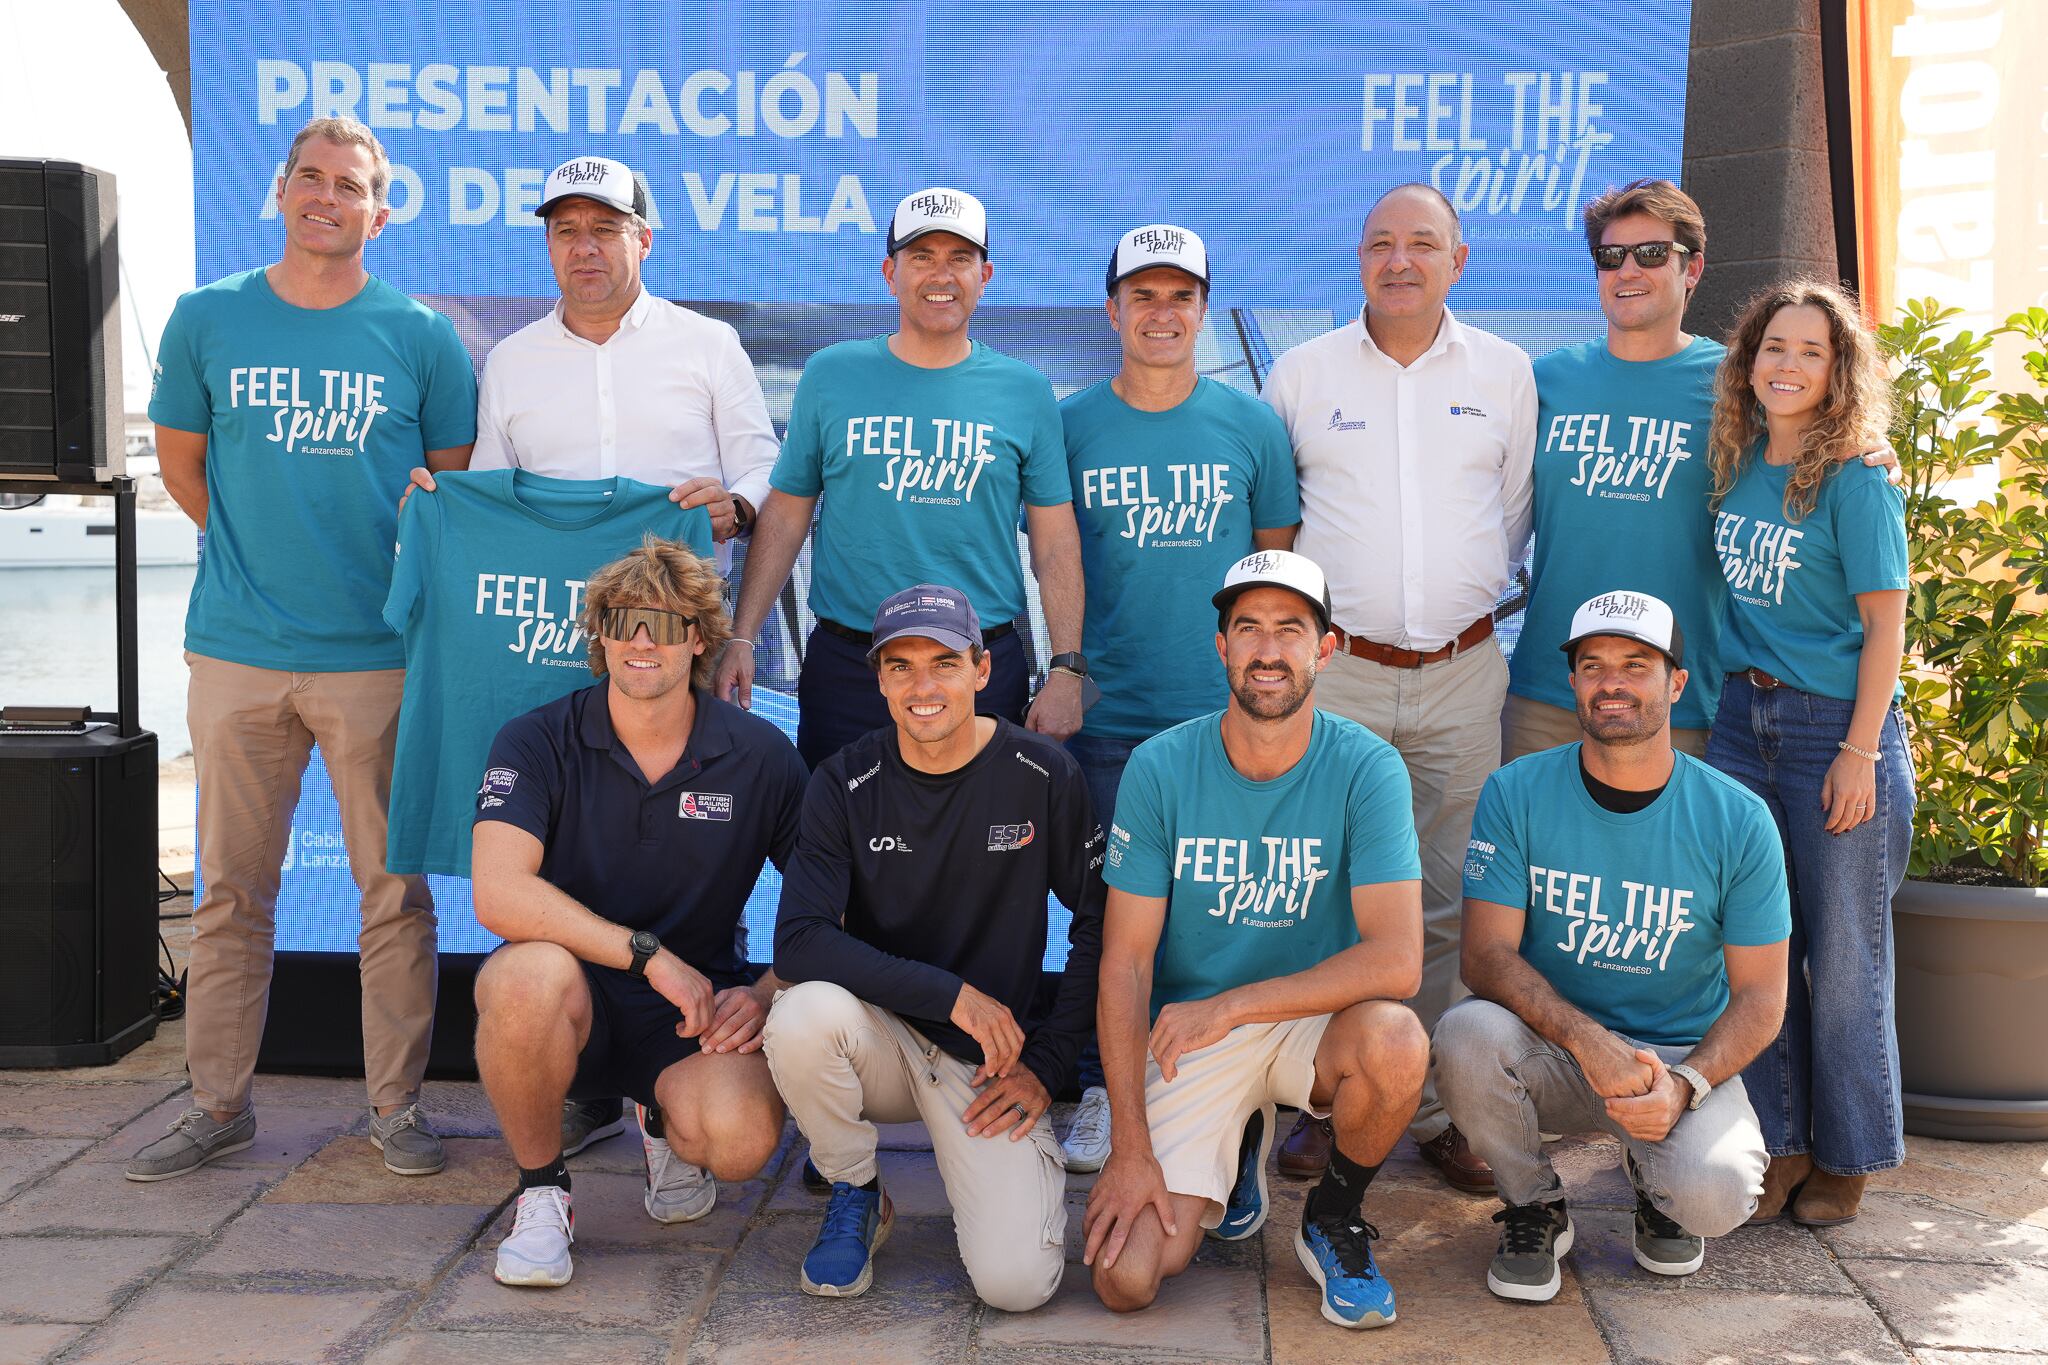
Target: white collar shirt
x=1415 y=480
x=670 y=396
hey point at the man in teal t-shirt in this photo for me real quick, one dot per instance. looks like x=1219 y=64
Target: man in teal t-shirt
x=488 y=596
x=289 y=404
x=1621 y=477
x=1625 y=931
x=921 y=445
x=1265 y=921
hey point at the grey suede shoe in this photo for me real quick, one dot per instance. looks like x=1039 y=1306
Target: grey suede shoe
x=194 y=1140
x=409 y=1146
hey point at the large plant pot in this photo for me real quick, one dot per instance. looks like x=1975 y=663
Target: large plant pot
x=1973 y=1010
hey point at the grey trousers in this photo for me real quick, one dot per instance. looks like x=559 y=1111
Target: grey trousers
x=844 y=1065
x=1444 y=718
x=1504 y=1085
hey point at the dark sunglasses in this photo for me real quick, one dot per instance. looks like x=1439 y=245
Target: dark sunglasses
x=663 y=627
x=1649 y=255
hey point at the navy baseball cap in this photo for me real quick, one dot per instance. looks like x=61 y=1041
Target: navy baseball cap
x=930 y=610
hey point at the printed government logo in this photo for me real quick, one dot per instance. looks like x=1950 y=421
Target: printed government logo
x=1465 y=410
x=1007 y=838
x=705 y=806
x=1337 y=422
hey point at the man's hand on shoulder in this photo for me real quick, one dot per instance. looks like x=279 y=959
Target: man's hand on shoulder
x=422 y=479
x=710 y=495
x=684 y=987
x=1187 y=1026
x=1131 y=1182
x=1650 y=1117
x=988 y=1021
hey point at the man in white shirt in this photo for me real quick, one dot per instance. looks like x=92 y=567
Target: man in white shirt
x=615 y=381
x=1413 y=436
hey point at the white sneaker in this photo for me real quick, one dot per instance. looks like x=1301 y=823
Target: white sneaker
x=537 y=1251
x=677 y=1192
x=1087 y=1144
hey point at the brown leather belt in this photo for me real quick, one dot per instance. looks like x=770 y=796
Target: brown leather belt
x=866 y=639
x=1393 y=656
x=1760 y=679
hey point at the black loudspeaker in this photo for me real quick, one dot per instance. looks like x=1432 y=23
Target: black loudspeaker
x=78 y=950
x=61 y=406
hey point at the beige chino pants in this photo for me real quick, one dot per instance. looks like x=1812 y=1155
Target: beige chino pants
x=1444 y=718
x=253 y=730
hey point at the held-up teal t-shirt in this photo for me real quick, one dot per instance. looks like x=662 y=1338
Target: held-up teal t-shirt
x=1257 y=875
x=921 y=472
x=313 y=419
x=488 y=595
x=1628 y=914
x=1792 y=585
x=1167 y=502
x=1621 y=489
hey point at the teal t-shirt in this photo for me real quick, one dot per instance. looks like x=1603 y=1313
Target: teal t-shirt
x=1257 y=875
x=1621 y=489
x=313 y=419
x=1167 y=502
x=922 y=473
x=1792 y=585
x=488 y=595
x=1628 y=914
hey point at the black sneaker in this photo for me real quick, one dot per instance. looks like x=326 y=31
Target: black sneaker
x=1662 y=1246
x=588 y=1121
x=1532 y=1238
x=814 y=1180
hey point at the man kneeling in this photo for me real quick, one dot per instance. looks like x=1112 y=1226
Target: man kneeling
x=1264 y=984
x=618 y=833
x=914 y=921
x=1624 y=936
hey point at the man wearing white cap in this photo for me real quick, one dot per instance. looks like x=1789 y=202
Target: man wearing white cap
x=1626 y=919
x=1413 y=435
x=616 y=381
x=1265 y=917
x=1175 y=478
x=921 y=443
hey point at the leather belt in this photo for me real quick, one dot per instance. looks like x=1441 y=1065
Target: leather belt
x=866 y=639
x=1393 y=656
x=1760 y=679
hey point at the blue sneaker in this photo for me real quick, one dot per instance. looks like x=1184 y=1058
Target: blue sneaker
x=1338 y=1257
x=1246 y=1212
x=841 y=1263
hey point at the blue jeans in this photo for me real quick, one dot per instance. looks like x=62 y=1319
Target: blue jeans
x=1102 y=759
x=1829 y=1083
x=838 y=699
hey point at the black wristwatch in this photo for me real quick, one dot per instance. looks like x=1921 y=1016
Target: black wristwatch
x=644 y=946
x=1070 y=662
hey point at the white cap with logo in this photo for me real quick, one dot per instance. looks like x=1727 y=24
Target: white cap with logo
x=1632 y=616
x=1157 y=244
x=938 y=209
x=600 y=178
x=1277 y=569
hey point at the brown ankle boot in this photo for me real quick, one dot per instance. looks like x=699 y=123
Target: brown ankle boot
x=1782 y=1179
x=1828 y=1199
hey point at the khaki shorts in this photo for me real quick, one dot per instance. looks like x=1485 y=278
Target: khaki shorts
x=1197 y=1119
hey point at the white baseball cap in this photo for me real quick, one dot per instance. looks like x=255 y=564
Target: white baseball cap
x=1157 y=244
x=593 y=177
x=1632 y=616
x=938 y=209
x=1277 y=569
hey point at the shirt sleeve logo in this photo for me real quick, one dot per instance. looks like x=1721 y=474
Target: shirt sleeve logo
x=1007 y=838
x=705 y=806
x=498 y=782
x=1479 y=855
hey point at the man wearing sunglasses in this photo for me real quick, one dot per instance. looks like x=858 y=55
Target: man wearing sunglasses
x=618 y=834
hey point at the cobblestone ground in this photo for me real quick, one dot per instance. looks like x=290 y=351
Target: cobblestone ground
x=304 y=1248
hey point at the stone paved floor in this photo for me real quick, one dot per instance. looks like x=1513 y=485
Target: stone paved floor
x=303 y=1248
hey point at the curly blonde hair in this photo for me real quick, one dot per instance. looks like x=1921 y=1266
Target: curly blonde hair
x=667 y=576
x=1854 y=414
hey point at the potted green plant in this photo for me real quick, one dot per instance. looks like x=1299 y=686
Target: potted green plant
x=1971 y=921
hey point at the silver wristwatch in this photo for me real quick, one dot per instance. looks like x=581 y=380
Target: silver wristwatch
x=1701 y=1086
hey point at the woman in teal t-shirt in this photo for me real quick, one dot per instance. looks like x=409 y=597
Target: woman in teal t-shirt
x=1814 y=551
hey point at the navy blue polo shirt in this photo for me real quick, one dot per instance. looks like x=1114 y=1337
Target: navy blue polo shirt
x=677 y=857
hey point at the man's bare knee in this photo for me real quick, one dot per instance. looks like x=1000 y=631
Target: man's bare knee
x=1129 y=1285
x=542 y=978
x=729 y=1125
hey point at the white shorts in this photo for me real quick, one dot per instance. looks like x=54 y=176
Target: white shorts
x=1197 y=1119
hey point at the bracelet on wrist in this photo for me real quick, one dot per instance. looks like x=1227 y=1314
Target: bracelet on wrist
x=1870 y=754
x=743 y=640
